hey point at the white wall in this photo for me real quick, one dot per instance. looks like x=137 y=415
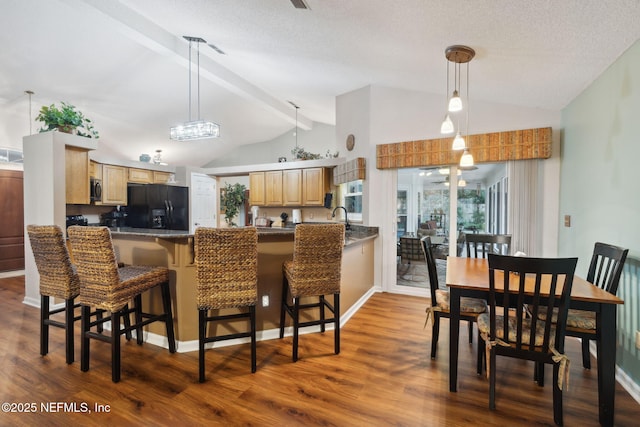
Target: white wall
x=599 y=186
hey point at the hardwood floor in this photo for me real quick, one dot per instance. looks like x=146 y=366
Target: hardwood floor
x=383 y=376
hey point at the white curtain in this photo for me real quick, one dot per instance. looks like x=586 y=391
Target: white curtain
x=522 y=207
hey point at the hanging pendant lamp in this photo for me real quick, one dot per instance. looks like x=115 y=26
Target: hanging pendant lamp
x=195 y=129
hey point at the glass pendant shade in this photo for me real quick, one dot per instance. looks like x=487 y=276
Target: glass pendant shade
x=458 y=143
x=447 y=125
x=455 y=103
x=198 y=129
x=462 y=183
x=466 y=160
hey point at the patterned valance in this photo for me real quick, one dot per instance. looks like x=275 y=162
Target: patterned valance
x=349 y=171
x=485 y=148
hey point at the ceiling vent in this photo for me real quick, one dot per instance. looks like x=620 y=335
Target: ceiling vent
x=299 y=4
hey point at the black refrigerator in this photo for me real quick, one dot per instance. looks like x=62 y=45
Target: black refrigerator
x=158 y=206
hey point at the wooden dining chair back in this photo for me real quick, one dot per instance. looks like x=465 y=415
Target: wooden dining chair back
x=58 y=279
x=314 y=271
x=518 y=284
x=479 y=245
x=605 y=270
x=105 y=286
x=227 y=279
x=470 y=308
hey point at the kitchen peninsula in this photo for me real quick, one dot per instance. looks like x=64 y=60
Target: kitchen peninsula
x=174 y=249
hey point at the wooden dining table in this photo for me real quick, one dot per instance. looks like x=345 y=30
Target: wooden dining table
x=469 y=277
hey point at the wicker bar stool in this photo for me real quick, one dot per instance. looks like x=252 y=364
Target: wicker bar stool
x=313 y=272
x=227 y=273
x=58 y=279
x=105 y=286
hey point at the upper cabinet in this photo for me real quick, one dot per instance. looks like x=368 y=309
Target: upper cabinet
x=161 y=177
x=77 y=176
x=114 y=185
x=315 y=183
x=140 y=176
x=290 y=187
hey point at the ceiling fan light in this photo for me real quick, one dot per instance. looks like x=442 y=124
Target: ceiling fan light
x=466 y=160
x=447 y=125
x=455 y=103
x=458 y=143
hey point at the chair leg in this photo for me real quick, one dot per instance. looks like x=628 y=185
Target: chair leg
x=470 y=331
x=539 y=373
x=137 y=310
x=321 y=300
x=84 y=342
x=69 y=316
x=435 y=332
x=586 y=356
x=557 y=396
x=283 y=306
x=492 y=380
x=480 y=356
x=252 y=319
x=127 y=323
x=44 y=325
x=202 y=327
x=336 y=327
x=296 y=321
x=166 y=302
x=115 y=346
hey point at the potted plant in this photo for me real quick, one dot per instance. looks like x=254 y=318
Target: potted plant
x=66 y=119
x=231 y=199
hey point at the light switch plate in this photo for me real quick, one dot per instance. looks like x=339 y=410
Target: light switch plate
x=567 y=220
x=265 y=300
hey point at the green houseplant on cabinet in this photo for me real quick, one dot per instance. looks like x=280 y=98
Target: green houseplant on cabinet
x=66 y=118
x=231 y=199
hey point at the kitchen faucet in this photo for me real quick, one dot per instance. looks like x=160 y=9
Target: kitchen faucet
x=347 y=226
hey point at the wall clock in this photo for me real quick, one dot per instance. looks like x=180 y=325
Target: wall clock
x=351 y=142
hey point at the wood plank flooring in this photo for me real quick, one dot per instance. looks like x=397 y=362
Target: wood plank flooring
x=382 y=377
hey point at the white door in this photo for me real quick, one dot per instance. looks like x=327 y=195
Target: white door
x=203 y=201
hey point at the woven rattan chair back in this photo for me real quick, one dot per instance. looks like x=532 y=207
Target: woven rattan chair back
x=227 y=267
x=57 y=276
x=317 y=259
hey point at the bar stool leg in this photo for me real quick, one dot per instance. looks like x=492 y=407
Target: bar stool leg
x=69 y=317
x=84 y=343
x=322 y=305
x=283 y=306
x=252 y=316
x=138 y=316
x=115 y=346
x=202 y=327
x=166 y=302
x=336 y=316
x=44 y=325
x=296 y=322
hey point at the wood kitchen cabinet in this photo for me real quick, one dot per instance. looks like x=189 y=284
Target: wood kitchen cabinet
x=140 y=176
x=95 y=170
x=114 y=185
x=257 y=189
x=273 y=188
x=77 y=176
x=315 y=183
x=292 y=187
x=161 y=177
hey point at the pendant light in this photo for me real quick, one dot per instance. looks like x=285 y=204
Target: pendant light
x=195 y=129
x=447 y=124
x=466 y=161
x=458 y=143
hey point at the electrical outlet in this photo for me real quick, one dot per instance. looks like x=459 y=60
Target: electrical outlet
x=310 y=215
x=638 y=340
x=265 y=300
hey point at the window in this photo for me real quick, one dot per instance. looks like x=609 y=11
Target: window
x=352 y=199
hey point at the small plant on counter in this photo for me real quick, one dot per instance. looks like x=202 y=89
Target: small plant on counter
x=66 y=119
x=231 y=199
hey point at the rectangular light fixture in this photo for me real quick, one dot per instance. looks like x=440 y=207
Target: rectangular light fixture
x=198 y=129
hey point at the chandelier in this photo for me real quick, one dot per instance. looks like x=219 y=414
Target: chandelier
x=457 y=55
x=195 y=129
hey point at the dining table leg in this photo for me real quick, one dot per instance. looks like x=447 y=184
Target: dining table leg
x=454 y=336
x=606 y=350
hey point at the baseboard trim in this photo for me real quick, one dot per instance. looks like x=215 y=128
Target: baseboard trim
x=622 y=377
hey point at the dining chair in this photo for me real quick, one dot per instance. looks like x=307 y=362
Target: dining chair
x=479 y=245
x=604 y=271
x=106 y=287
x=410 y=249
x=515 y=285
x=470 y=308
x=227 y=282
x=314 y=271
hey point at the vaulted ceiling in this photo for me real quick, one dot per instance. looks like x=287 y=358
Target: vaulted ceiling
x=125 y=63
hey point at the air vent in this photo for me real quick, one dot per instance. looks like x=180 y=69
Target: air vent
x=217 y=49
x=299 y=4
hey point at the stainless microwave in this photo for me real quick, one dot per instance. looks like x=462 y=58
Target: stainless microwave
x=96 y=190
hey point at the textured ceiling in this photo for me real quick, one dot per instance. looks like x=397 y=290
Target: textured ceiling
x=124 y=63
